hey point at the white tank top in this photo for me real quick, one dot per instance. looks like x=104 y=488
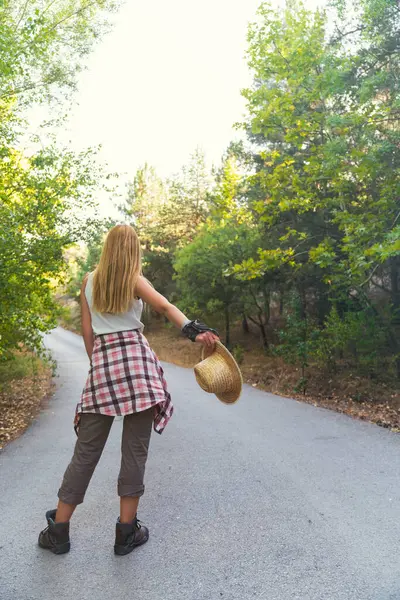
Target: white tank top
x=109 y=323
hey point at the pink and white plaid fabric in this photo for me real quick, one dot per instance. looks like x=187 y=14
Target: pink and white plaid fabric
x=125 y=377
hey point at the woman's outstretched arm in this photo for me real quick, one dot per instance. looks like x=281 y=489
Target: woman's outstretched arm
x=161 y=305
x=86 y=321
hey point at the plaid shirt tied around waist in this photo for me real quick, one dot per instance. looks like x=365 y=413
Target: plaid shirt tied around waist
x=125 y=377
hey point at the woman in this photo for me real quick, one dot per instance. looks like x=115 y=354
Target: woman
x=125 y=378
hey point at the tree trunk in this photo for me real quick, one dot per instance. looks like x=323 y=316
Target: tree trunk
x=267 y=306
x=227 y=327
x=281 y=305
x=390 y=329
x=303 y=303
x=323 y=307
x=245 y=324
x=395 y=287
x=395 y=298
x=264 y=336
x=263 y=332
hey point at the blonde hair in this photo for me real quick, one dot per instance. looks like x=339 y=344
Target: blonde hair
x=119 y=268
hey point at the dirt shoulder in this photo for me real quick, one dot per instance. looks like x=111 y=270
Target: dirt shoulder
x=21 y=400
x=344 y=392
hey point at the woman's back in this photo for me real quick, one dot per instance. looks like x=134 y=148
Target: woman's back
x=111 y=323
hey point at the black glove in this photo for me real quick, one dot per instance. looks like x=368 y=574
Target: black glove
x=194 y=328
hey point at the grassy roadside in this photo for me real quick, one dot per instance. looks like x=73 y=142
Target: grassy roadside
x=344 y=392
x=25 y=383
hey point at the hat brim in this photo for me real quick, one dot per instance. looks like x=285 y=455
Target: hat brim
x=237 y=380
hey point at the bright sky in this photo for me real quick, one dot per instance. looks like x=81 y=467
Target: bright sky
x=166 y=80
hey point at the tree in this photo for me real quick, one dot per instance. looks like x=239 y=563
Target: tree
x=204 y=286
x=146 y=194
x=83 y=258
x=205 y=267
x=166 y=215
x=324 y=112
x=43 y=45
x=44 y=195
x=36 y=196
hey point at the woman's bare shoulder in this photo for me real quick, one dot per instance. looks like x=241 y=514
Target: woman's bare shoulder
x=84 y=281
x=143 y=281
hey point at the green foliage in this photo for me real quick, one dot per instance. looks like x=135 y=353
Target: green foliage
x=166 y=215
x=43 y=44
x=356 y=338
x=43 y=196
x=37 y=199
x=18 y=366
x=330 y=167
x=298 y=338
x=238 y=353
x=205 y=272
x=206 y=268
x=69 y=317
x=84 y=260
x=323 y=118
x=201 y=268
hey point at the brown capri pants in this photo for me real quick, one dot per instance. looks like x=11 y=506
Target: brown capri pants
x=93 y=433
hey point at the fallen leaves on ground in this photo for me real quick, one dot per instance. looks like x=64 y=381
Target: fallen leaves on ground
x=357 y=397
x=21 y=402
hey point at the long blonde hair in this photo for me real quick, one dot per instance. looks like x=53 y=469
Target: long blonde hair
x=119 y=268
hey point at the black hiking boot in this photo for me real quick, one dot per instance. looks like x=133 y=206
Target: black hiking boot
x=128 y=536
x=56 y=535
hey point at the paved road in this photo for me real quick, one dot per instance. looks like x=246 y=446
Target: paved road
x=269 y=499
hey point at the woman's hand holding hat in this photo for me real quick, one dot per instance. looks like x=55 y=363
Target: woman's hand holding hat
x=199 y=332
x=208 y=339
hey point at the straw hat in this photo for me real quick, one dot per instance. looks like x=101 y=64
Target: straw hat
x=218 y=373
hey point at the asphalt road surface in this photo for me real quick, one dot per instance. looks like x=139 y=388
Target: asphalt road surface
x=269 y=499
